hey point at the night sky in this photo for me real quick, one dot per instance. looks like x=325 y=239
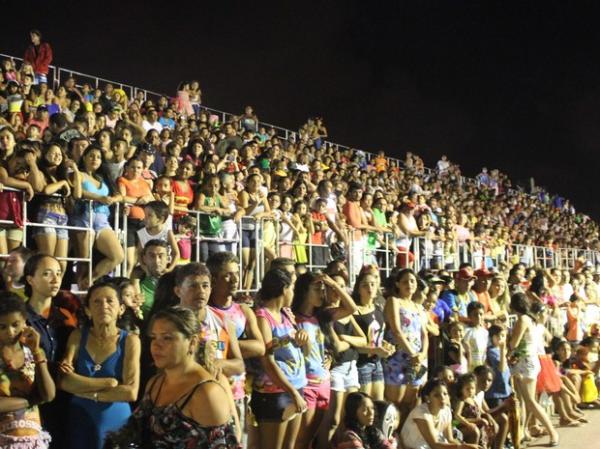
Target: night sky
x=508 y=85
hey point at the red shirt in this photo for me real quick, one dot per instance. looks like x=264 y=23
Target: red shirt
x=40 y=57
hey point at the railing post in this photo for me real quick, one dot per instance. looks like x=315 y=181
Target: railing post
x=90 y=240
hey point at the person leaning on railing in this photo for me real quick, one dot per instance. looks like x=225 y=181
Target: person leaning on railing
x=15 y=175
x=136 y=192
x=60 y=180
x=214 y=208
x=94 y=186
x=252 y=203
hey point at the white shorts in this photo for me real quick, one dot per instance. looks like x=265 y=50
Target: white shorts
x=344 y=376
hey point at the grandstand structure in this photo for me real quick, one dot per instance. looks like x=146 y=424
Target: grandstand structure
x=419 y=254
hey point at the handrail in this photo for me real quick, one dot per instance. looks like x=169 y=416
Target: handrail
x=420 y=249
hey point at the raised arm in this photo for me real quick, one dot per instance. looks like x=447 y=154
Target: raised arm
x=347 y=305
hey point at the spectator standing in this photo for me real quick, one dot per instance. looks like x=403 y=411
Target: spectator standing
x=39 y=55
x=101 y=369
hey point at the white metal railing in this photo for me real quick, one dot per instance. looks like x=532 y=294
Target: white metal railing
x=32 y=224
x=417 y=255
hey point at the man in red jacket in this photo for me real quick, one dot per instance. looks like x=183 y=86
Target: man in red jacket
x=39 y=55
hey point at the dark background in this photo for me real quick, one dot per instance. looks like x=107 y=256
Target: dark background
x=508 y=85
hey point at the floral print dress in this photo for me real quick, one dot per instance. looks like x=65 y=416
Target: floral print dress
x=167 y=427
x=398 y=369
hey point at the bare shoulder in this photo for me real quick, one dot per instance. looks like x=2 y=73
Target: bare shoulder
x=132 y=342
x=208 y=404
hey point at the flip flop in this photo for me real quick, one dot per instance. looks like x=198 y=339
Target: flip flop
x=569 y=423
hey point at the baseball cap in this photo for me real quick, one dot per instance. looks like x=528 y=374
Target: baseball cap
x=483 y=273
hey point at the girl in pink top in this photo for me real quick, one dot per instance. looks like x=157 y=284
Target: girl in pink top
x=184 y=105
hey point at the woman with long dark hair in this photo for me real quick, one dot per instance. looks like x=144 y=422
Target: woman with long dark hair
x=96 y=186
x=406 y=370
x=55 y=167
x=183 y=406
x=310 y=295
x=527 y=367
x=359 y=430
x=277 y=391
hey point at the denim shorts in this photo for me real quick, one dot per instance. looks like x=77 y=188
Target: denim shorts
x=370 y=372
x=344 y=376
x=45 y=216
x=270 y=406
x=99 y=221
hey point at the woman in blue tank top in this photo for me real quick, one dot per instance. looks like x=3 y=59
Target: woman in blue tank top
x=101 y=370
x=96 y=187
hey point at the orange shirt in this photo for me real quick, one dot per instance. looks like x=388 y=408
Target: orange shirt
x=318 y=238
x=184 y=195
x=380 y=164
x=136 y=188
x=353 y=214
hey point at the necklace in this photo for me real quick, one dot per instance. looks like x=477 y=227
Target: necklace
x=102 y=342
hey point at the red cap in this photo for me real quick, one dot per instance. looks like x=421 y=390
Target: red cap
x=483 y=273
x=466 y=274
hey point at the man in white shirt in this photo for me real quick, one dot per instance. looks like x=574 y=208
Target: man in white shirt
x=151 y=121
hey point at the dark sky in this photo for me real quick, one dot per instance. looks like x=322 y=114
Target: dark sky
x=511 y=85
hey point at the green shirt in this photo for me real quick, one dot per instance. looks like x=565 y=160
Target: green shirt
x=148 y=286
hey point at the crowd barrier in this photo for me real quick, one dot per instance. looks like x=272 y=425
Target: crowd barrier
x=420 y=253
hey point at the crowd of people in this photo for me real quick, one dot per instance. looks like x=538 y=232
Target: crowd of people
x=413 y=361
x=331 y=350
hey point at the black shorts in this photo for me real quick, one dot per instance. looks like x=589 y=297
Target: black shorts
x=270 y=406
x=133 y=225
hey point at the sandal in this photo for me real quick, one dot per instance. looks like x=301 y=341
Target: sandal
x=569 y=423
x=537 y=432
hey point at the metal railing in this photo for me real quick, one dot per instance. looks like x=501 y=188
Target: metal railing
x=33 y=224
x=418 y=255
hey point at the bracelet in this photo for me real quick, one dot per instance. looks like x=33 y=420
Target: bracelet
x=39 y=362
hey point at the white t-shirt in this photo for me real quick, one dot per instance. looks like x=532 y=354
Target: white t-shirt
x=148 y=126
x=476 y=339
x=411 y=435
x=144 y=236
